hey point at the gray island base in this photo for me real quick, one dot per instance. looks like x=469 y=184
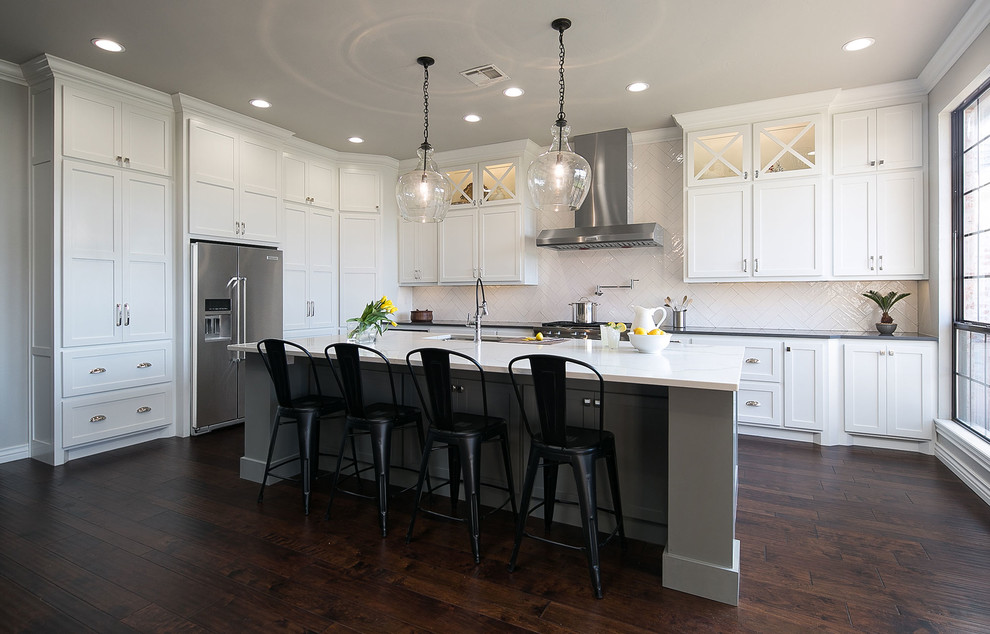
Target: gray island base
x=673 y=414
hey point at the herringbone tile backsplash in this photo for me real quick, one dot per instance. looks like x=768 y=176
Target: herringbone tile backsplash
x=566 y=276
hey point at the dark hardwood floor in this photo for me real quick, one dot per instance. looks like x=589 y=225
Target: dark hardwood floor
x=165 y=537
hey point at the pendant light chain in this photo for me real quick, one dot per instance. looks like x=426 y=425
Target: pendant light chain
x=426 y=104
x=560 y=115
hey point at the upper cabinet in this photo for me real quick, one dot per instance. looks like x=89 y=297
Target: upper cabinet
x=782 y=148
x=877 y=139
x=488 y=182
x=111 y=131
x=233 y=184
x=360 y=189
x=308 y=180
x=417 y=253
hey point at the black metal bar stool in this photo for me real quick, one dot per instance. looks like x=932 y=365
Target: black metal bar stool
x=375 y=420
x=555 y=443
x=462 y=434
x=305 y=411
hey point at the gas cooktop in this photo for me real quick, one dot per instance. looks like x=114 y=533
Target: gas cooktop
x=573 y=329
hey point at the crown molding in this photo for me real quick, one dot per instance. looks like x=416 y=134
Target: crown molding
x=658 y=135
x=969 y=28
x=12 y=73
x=188 y=106
x=880 y=95
x=45 y=66
x=757 y=110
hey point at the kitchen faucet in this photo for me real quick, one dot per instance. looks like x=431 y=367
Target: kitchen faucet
x=481 y=308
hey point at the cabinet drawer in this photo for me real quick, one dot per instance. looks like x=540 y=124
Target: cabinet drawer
x=759 y=404
x=91 y=418
x=90 y=371
x=763 y=359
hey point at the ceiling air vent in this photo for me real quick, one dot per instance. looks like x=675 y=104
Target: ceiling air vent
x=484 y=75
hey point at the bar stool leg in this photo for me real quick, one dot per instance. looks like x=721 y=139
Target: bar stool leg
x=584 y=479
x=423 y=467
x=306 y=432
x=527 y=492
x=504 y=442
x=550 y=469
x=271 y=450
x=470 y=449
x=613 y=480
x=381 y=451
x=340 y=457
x=454 y=475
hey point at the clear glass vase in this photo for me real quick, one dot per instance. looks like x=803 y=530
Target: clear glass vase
x=364 y=334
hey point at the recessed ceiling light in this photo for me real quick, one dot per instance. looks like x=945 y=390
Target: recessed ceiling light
x=356 y=139
x=513 y=92
x=638 y=86
x=260 y=103
x=472 y=118
x=858 y=44
x=108 y=45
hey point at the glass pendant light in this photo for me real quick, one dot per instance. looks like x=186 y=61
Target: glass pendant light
x=424 y=193
x=559 y=179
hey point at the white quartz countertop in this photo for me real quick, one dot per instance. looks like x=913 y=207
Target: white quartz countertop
x=679 y=365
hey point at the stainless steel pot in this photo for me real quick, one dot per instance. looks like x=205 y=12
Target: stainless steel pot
x=584 y=311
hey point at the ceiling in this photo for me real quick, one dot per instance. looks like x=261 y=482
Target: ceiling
x=340 y=68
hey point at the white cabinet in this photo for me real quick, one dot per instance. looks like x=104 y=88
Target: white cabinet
x=877 y=139
x=233 y=184
x=890 y=388
x=112 y=131
x=309 y=269
x=417 y=253
x=308 y=180
x=879 y=226
x=458 y=261
x=491 y=242
x=805 y=380
x=783 y=148
x=771 y=230
x=117 y=274
x=360 y=263
x=360 y=189
x=486 y=183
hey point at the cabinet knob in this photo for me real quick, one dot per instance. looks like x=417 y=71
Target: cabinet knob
x=890 y=353
x=99 y=418
x=752 y=360
x=873 y=163
x=883 y=352
x=119 y=159
x=127 y=161
x=753 y=403
x=97 y=370
x=745 y=176
x=143 y=365
x=881 y=161
x=144 y=409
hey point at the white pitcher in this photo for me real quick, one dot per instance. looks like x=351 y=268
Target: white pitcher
x=643 y=317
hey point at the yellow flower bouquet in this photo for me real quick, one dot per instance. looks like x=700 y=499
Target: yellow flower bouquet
x=375 y=320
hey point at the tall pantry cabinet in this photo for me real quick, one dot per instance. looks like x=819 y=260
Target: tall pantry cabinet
x=101 y=341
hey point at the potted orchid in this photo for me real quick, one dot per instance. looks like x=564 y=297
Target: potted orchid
x=375 y=320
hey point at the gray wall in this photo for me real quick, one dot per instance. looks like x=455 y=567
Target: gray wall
x=13 y=269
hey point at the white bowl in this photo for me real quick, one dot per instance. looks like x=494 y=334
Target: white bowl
x=649 y=343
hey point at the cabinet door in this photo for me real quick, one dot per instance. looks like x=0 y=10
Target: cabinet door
x=501 y=245
x=408 y=271
x=787 y=147
x=146 y=138
x=92 y=260
x=360 y=263
x=910 y=390
x=360 y=190
x=90 y=126
x=417 y=253
x=498 y=182
x=294 y=179
x=259 y=209
x=719 y=156
x=463 y=177
x=899 y=137
x=459 y=247
x=295 y=300
x=787 y=229
x=147 y=266
x=854 y=142
x=865 y=384
x=213 y=198
x=855 y=225
x=322 y=268
x=805 y=384
x=719 y=232
x=900 y=222
x=320 y=185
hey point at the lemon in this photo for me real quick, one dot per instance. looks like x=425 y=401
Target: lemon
x=539 y=336
x=621 y=326
x=639 y=331
x=655 y=331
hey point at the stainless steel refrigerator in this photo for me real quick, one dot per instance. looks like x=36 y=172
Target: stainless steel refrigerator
x=237 y=298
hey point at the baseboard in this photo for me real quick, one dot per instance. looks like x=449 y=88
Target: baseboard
x=17 y=452
x=965 y=455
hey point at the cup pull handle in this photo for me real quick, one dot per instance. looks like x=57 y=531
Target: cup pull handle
x=753 y=403
x=144 y=409
x=143 y=365
x=752 y=360
x=99 y=418
x=97 y=370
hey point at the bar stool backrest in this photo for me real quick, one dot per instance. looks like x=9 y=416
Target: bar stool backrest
x=273 y=353
x=436 y=371
x=346 y=368
x=549 y=373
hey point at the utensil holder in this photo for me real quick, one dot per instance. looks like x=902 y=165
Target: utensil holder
x=678 y=318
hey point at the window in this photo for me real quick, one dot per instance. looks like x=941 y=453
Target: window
x=971 y=251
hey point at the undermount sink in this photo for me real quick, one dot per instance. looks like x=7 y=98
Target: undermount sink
x=457 y=336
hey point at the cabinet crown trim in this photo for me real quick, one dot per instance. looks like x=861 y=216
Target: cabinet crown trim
x=46 y=66
x=794 y=105
x=190 y=107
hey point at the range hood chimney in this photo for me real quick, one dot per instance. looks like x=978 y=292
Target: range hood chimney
x=604 y=220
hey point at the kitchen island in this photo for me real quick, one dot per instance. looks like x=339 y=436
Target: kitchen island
x=687 y=390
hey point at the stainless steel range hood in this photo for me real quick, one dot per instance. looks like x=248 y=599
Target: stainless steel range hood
x=603 y=221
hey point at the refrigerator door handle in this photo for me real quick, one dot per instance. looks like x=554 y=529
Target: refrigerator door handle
x=242 y=314
x=234 y=293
